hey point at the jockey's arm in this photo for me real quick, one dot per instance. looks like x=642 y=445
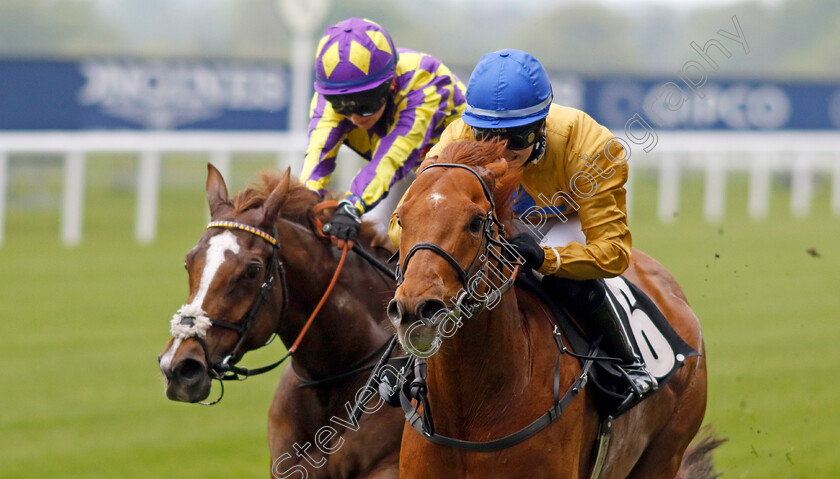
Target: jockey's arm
x=401 y=149
x=608 y=241
x=602 y=214
x=326 y=133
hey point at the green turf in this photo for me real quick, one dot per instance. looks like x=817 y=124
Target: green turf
x=770 y=312
x=80 y=330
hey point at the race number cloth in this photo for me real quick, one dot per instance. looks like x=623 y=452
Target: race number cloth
x=428 y=98
x=662 y=349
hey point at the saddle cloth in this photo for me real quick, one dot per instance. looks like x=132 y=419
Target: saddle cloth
x=654 y=340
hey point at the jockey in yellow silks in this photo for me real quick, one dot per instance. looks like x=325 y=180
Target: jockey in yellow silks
x=388 y=105
x=571 y=197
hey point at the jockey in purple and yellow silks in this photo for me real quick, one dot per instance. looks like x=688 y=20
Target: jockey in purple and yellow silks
x=390 y=106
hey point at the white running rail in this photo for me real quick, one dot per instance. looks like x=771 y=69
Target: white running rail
x=802 y=155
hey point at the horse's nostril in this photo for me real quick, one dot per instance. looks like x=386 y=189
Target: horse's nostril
x=394 y=311
x=190 y=370
x=429 y=308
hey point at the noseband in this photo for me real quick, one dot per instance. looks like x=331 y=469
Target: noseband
x=195 y=326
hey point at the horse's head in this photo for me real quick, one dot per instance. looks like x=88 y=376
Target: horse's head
x=449 y=222
x=235 y=279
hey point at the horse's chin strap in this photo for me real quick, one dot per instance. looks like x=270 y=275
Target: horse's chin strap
x=424 y=422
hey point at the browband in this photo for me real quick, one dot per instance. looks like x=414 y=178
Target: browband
x=233 y=224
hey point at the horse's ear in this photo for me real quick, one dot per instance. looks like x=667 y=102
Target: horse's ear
x=271 y=207
x=498 y=167
x=491 y=173
x=217 y=194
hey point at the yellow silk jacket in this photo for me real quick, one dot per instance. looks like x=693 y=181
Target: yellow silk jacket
x=583 y=171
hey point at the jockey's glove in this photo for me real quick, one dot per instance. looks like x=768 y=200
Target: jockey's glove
x=345 y=223
x=529 y=249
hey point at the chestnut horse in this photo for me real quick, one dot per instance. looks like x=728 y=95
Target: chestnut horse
x=495 y=375
x=308 y=428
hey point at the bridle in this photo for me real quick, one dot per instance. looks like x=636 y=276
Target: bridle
x=192 y=326
x=421 y=419
x=490 y=229
x=195 y=327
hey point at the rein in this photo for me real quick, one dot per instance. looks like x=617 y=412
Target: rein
x=418 y=390
x=356 y=248
x=365 y=364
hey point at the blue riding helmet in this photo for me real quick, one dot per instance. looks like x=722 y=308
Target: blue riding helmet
x=507 y=88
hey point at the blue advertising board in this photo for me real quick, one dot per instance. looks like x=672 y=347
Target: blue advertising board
x=108 y=93
x=669 y=103
x=143 y=94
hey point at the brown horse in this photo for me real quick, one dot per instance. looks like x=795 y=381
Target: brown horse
x=495 y=375
x=308 y=428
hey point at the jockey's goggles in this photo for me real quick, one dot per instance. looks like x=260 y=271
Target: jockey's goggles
x=518 y=138
x=364 y=103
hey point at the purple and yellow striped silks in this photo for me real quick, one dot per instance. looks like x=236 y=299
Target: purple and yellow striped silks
x=428 y=98
x=354 y=55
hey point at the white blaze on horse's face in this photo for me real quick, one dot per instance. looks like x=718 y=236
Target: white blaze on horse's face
x=214 y=257
x=436 y=198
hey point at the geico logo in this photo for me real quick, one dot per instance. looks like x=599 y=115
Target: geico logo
x=738 y=106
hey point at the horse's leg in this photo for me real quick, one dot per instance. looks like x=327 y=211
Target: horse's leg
x=664 y=454
x=281 y=428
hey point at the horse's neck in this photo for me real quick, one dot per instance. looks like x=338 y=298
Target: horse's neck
x=346 y=329
x=485 y=363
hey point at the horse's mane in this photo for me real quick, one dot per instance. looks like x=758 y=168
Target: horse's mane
x=480 y=154
x=296 y=204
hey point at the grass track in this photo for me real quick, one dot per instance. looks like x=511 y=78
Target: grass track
x=80 y=329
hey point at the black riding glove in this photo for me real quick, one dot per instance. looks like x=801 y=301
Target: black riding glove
x=345 y=223
x=529 y=249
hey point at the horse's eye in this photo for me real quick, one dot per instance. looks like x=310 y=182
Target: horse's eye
x=252 y=271
x=185 y=266
x=475 y=224
x=398 y=221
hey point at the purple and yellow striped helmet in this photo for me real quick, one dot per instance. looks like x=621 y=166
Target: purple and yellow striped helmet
x=353 y=56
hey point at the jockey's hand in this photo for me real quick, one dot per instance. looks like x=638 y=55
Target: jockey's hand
x=344 y=225
x=529 y=249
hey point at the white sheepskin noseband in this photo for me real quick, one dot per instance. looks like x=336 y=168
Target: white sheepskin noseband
x=198 y=328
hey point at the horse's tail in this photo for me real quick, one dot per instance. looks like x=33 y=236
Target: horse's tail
x=697 y=462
